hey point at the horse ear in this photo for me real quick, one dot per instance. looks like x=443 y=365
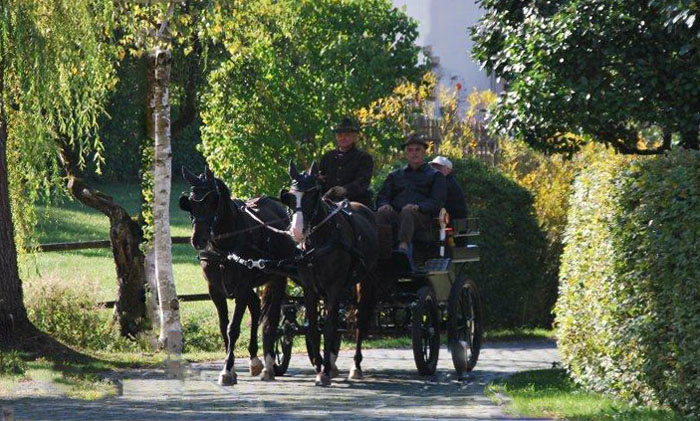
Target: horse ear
x=293 y=172
x=314 y=169
x=189 y=176
x=185 y=203
x=208 y=174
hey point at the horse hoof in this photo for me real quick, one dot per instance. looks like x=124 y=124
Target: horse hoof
x=256 y=366
x=335 y=372
x=227 y=379
x=267 y=375
x=355 y=374
x=323 y=379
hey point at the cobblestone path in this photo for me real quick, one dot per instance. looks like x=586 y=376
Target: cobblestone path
x=392 y=389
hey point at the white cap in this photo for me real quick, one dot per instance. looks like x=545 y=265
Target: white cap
x=441 y=160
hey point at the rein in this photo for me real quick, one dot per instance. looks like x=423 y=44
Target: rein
x=261 y=224
x=339 y=207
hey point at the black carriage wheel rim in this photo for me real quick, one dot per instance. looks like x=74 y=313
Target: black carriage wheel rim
x=426 y=323
x=466 y=327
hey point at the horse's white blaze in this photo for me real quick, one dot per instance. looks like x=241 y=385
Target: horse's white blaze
x=298 y=218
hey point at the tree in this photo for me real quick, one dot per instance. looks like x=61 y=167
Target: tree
x=287 y=70
x=152 y=29
x=601 y=70
x=54 y=75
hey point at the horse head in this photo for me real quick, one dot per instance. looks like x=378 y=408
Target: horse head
x=303 y=198
x=204 y=202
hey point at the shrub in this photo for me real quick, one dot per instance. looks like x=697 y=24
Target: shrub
x=12 y=364
x=510 y=275
x=72 y=315
x=203 y=335
x=628 y=314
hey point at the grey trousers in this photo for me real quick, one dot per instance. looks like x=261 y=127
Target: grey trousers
x=408 y=221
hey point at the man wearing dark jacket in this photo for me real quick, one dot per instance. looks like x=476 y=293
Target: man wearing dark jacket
x=345 y=172
x=412 y=195
x=455 y=204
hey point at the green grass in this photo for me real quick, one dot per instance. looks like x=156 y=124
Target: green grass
x=551 y=393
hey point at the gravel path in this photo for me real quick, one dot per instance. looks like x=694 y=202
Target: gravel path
x=392 y=389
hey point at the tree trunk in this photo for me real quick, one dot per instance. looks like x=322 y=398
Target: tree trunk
x=125 y=236
x=150 y=260
x=170 y=327
x=13 y=315
x=690 y=138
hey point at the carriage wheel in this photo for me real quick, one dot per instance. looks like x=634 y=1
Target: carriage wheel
x=425 y=332
x=464 y=325
x=283 y=347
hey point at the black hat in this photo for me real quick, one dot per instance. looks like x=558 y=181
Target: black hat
x=347 y=125
x=415 y=139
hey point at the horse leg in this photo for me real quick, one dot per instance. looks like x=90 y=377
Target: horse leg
x=313 y=337
x=272 y=307
x=218 y=297
x=335 y=372
x=365 y=307
x=255 y=366
x=227 y=377
x=330 y=334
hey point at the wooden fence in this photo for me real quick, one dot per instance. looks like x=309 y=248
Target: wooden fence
x=105 y=244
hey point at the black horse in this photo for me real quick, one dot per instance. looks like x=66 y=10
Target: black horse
x=222 y=226
x=341 y=248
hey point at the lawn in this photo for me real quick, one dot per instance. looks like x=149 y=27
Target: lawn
x=551 y=393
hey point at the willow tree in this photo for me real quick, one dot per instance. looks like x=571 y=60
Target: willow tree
x=286 y=70
x=54 y=76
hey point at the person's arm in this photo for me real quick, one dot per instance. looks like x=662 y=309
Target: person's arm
x=384 y=195
x=456 y=199
x=438 y=192
x=362 y=178
x=323 y=170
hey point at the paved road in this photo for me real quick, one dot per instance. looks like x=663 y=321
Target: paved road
x=391 y=390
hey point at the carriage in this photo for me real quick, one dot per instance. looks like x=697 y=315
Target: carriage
x=391 y=293
x=437 y=296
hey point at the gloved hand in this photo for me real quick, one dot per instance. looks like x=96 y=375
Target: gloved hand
x=336 y=193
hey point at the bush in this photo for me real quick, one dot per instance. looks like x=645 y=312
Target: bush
x=510 y=275
x=549 y=179
x=12 y=364
x=202 y=334
x=628 y=314
x=73 y=316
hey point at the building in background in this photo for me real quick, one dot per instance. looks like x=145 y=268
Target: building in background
x=444 y=33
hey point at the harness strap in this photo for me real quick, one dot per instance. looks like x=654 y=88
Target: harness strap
x=339 y=207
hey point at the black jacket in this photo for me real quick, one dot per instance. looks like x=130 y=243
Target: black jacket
x=424 y=187
x=352 y=170
x=455 y=204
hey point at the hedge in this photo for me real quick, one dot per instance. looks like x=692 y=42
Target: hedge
x=628 y=313
x=511 y=274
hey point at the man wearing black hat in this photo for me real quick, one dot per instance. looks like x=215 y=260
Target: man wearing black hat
x=412 y=195
x=345 y=172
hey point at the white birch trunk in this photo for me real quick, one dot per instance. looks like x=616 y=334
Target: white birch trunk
x=170 y=327
x=152 y=305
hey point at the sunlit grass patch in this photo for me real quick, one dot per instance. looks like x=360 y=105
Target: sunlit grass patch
x=551 y=393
